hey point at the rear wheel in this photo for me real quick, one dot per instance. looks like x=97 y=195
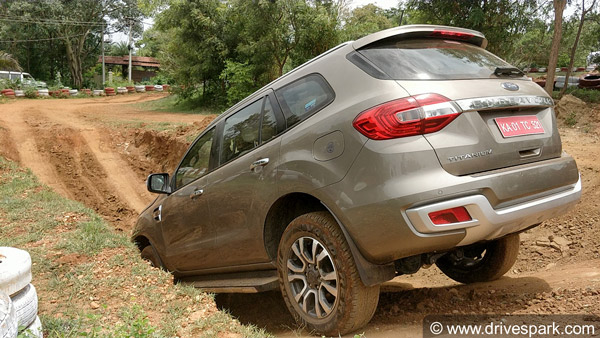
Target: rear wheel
x=481 y=262
x=319 y=279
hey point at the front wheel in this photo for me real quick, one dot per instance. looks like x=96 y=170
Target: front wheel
x=319 y=280
x=481 y=262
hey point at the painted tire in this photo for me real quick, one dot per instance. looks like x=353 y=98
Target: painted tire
x=26 y=305
x=34 y=330
x=73 y=92
x=7 y=91
x=589 y=80
x=149 y=88
x=19 y=93
x=140 y=89
x=15 y=270
x=8 y=318
x=158 y=88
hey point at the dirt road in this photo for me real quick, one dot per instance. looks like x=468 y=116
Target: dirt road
x=87 y=150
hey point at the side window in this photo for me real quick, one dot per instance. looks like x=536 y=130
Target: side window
x=240 y=133
x=196 y=161
x=15 y=76
x=3 y=75
x=269 y=122
x=304 y=97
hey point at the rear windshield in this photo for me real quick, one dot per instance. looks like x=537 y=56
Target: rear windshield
x=433 y=59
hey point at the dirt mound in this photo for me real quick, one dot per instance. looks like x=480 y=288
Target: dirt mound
x=574 y=112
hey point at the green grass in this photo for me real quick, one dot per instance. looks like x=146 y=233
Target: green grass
x=172 y=104
x=131 y=298
x=587 y=95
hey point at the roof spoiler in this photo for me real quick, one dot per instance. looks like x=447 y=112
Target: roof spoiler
x=423 y=31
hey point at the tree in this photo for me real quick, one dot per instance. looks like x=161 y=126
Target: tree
x=501 y=21
x=119 y=49
x=364 y=21
x=7 y=62
x=584 y=12
x=71 y=31
x=559 y=7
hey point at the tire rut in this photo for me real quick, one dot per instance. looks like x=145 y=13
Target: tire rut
x=67 y=151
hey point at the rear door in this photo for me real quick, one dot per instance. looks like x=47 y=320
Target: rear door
x=245 y=184
x=505 y=121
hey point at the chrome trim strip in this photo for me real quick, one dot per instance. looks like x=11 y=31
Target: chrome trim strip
x=494 y=102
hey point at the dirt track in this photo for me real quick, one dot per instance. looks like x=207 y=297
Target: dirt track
x=83 y=150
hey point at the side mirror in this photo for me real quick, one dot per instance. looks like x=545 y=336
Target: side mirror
x=158 y=183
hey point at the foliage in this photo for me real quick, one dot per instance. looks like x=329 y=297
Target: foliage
x=31 y=92
x=365 y=20
x=118 y=49
x=501 y=21
x=587 y=95
x=238 y=78
x=8 y=62
x=71 y=31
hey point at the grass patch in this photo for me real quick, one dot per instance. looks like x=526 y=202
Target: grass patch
x=90 y=279
x=173 y=104
x=587 y=95
x=139 y=124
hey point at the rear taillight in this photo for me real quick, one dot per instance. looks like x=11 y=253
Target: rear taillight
x=454 y=35
x=448 y=216
x=409 y=116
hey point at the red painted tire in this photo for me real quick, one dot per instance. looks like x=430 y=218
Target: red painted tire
x=166 y=88
x=533 y=70
x=130 y=89
x=4 y=91
x=589 y=80
x=149 y=88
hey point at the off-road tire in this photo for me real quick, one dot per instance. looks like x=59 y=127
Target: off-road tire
x=355 y=303
x=149 y=254
x=500 y=255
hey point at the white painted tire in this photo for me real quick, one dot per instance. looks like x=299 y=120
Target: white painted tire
x=26 y=305
x=19 y=93
x=8 y=317
x=73 y=92
x=97 y=92
x=15 y=270
x=158 y=88
x=43 y=92
x=34 y=330
x=140 y=89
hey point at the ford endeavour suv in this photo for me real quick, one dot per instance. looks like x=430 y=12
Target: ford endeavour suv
x=408 y=147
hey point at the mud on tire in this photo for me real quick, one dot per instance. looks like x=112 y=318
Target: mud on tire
x=319 y=280
x=481 y=262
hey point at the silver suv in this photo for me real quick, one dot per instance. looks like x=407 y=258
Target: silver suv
x=409 y=147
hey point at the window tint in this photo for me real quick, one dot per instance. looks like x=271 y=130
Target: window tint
x=269 y=122
x=304 y=97
x=196 y=161
x=240 y=134
x=15 y=76
x=433 y=59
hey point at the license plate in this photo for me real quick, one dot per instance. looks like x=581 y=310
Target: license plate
x=519 y=125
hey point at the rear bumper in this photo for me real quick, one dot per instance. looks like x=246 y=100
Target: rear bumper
x=488 y=223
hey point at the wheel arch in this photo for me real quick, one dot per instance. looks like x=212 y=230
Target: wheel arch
x=292 y=205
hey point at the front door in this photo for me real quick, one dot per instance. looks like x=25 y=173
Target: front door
x=188 y=232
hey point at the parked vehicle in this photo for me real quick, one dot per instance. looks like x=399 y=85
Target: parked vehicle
x=25 y=79
x=411 y=146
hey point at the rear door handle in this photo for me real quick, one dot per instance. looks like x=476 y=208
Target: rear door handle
x=260 y=163
x=196 y=193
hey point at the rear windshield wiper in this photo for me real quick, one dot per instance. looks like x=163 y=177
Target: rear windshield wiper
x=508 y=71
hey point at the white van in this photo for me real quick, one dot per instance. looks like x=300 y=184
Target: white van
x=25 y=78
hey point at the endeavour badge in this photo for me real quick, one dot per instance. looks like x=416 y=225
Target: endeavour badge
x=510 y=86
